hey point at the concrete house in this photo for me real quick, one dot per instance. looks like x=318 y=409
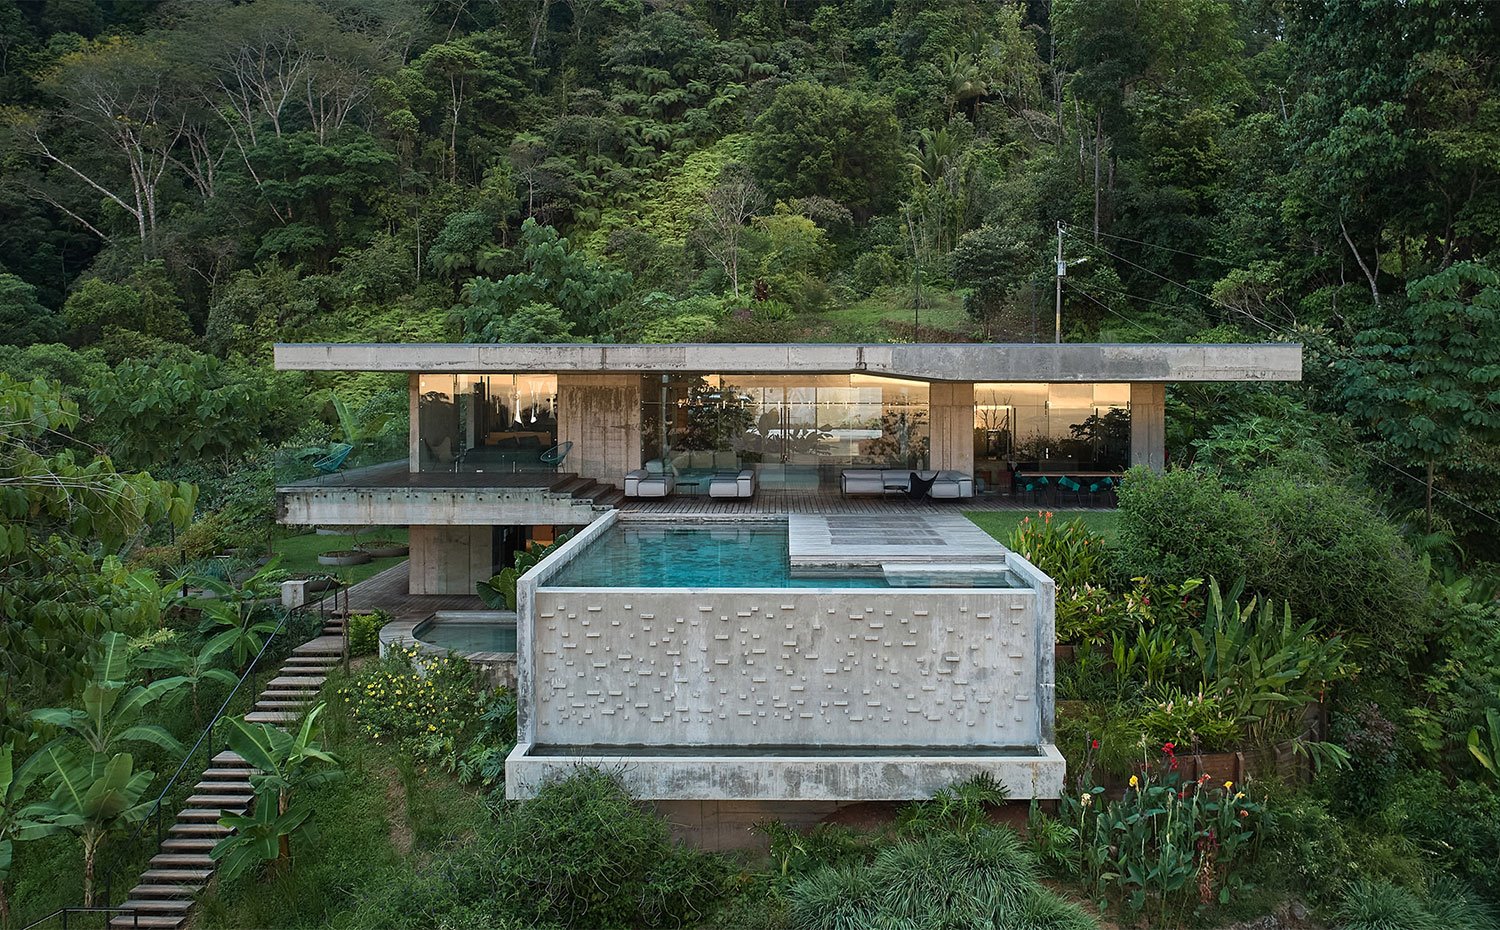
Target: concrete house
x=773 y=596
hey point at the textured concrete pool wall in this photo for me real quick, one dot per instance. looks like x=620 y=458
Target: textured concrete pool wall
x=838 y=673
x=800 y=667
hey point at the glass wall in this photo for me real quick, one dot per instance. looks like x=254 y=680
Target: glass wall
x=485 y=423
x=1050 y=427
x=796 y=431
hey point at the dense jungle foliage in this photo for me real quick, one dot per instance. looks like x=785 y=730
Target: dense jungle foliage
x=183 y=184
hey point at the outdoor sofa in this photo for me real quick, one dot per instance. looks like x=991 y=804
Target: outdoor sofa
x=946 y=485
x=731 y=484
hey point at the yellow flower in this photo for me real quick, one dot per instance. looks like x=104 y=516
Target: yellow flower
x=1229 y=786
x=1238 y=795
x=1135 y=782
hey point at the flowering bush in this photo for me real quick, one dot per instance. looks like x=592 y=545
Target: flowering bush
x=1166 y=848
x=409 y=697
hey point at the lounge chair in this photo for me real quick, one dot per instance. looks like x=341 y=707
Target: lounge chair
x=918 y=487
x=337 y=455
x=554 y=456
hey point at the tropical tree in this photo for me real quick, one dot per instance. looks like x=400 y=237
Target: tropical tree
x=581 y=289
x=728 y=206
x=237 y=611
x=62 y=511
x=1428 y=380
x=284 y=763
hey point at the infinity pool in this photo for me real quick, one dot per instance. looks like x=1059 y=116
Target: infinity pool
x=719 y=556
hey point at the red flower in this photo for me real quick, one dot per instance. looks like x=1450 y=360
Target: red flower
x=1095 y=745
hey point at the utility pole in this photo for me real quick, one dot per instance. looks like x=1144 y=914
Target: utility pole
x=1062 y=269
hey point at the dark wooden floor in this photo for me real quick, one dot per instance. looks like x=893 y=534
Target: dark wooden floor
x=388 y=591
x=834 y=502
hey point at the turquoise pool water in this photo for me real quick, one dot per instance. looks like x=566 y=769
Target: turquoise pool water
x=708 y=556
x=728 y=556
x=468 y=635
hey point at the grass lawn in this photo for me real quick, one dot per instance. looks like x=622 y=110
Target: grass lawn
x=300 y=553
x=1000 y=523
x=944 y=310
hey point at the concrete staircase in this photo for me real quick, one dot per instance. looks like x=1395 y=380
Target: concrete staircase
x=165 y=894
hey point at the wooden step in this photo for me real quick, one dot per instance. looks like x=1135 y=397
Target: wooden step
x=224 y=787
x=182 y=860
x=181 y=877
x=233 y=803
x=214 y=829
x=321 y=646
x=227 y=772
x=188 y=844
x=273 y=716
x=614 y=498
x=159 y=905
x=164 y=889
x=229 y=758
x=280 y=704
x=199 y=815
x=294 y=682
x=148 y=921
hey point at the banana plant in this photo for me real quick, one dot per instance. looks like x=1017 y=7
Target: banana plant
x=194 y=668
x=94 y=796
x=260 y=836
x=1485 y=748
x=231 y=615
x=284 y=762
x=113 y=706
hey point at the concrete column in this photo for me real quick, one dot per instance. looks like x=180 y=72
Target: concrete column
x=601 y=415
x=951 y=426
x=1148 y=425
x=413 y=429
x=449 y=559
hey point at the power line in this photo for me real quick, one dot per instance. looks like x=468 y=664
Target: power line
x=1339 y=352
x=1141 y=326
x=1167 y=248
x=1157 y=274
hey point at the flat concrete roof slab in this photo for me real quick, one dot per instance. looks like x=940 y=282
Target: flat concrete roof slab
x=1035 y=362
x=818 y=542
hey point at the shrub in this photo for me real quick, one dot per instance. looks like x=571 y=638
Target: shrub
x=583 y=853
x=1184 y=524
x=1458 y=826
x=364 y=632
x=1319 y=546
x=1196 y=720
x=1068 y=552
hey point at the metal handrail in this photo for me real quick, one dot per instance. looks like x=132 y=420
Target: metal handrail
x=154 y=815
